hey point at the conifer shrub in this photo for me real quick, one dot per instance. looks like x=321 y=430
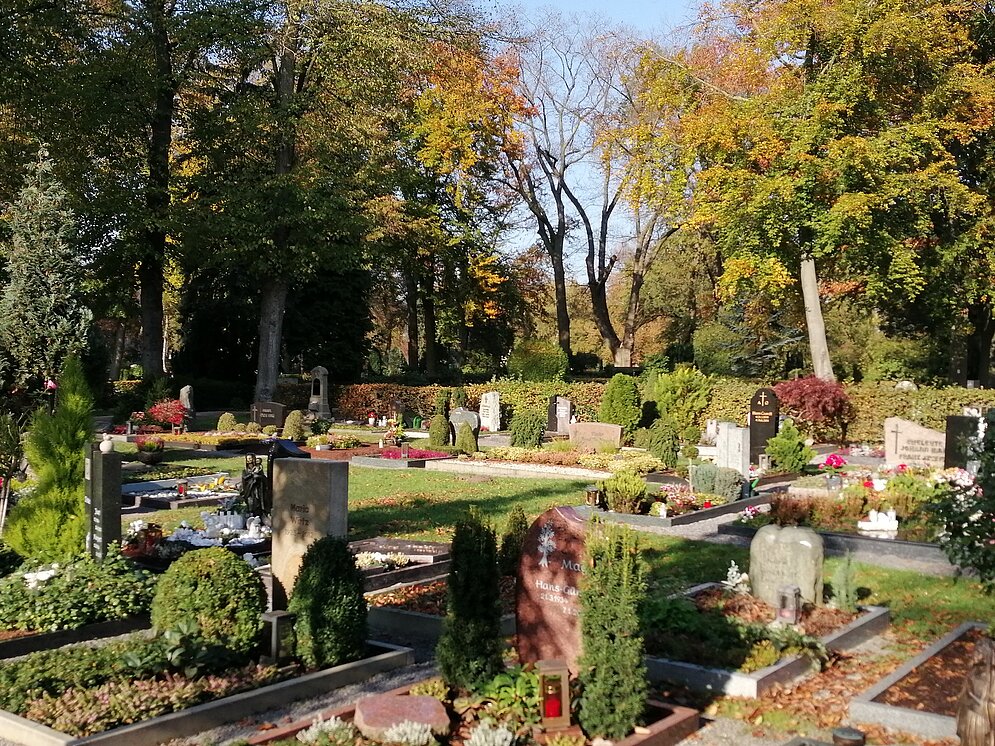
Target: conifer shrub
x=513 y=540
x=728 y=483
x=528 y=428
x=294 y=427
x=438 y=431
x=465 y=440
x=620 y=404
x=625 y=493
x=611 y=669
x=787 y=449
x=227 y=423
x=50 y=524
x=330 y=606
x=469 y=650
x=459 y=397
x=537 y=360
x=660 y=440
x=681 y=398
x=703 y=477
x=218 y=591
x=442 y=402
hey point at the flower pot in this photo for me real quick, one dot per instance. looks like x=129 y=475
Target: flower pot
x=149 y=457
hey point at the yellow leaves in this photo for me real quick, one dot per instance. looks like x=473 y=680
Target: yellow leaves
x=765 y=275
x=487 y=277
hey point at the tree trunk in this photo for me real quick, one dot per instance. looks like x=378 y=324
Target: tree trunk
x=978 y=356
x=431 y=347
x=818 y=346
x=150 y=298
x=117 y=353
x=560 y=290
x=272 y=307
x=411 y=298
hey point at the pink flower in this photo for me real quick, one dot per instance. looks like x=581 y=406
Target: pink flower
x=868 y=483
x=834 y=461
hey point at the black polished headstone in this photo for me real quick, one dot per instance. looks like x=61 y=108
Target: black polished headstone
x=764 y=411
x=268 y=413
x=102 y=475
x=558 y=415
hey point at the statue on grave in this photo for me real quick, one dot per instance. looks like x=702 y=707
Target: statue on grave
x=253 y=491
x=976 y=711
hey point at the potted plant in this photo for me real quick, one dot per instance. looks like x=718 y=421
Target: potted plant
x=319 y=442
x=150 y=450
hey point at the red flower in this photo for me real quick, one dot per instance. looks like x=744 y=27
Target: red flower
x=706 y=504
x=868 y=483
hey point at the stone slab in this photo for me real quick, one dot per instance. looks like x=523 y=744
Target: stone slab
x=490 y=411
x=782 y=556
x=595 y=434
x=310 y=501
x=506 y=469
x=376 y=713
x=910 y=443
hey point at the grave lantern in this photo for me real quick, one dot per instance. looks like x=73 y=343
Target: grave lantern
x=593 y=495
x=181 y=486
x=279 y=626
x=554 y=686
x=789 y=605
x=404 y=450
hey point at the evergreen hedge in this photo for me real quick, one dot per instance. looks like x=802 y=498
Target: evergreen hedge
x=620 y=404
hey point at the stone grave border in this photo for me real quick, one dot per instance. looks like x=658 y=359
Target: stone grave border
x=378 y=462
x=696 y=516
x=670 y=730
x=390 y=621
x=863 y=708
x=130 y=488
x=865 y=546
x=18 y=646
x=194 y=720
x=873 y=621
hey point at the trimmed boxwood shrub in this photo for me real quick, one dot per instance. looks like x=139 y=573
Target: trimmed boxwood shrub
x=438 y=431
x=329 y=603
x=537 y=360
x=227 y=423
x=219 y=592
x=620 y=404
x=293 y=426
x=528 y=428
x=469 y=650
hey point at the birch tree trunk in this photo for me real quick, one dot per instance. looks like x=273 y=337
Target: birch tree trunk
x=818 y=346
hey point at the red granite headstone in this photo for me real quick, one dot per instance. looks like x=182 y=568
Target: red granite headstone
x=547 y=603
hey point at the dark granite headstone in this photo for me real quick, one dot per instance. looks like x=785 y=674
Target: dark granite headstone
x=558 y=415
x=268 y=413
x=102 y=475
x=763 y=421
x=547 y=603
x=962 y=441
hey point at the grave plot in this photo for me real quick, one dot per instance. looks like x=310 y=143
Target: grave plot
x=388 y=562
x=172 y=494
x=395 y=457
x=922 y=696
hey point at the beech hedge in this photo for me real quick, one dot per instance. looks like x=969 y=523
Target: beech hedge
x=730 y=400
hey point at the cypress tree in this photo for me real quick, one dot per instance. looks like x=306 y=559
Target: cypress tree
x=43 y=319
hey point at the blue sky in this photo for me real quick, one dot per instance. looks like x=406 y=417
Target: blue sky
x=643 y=15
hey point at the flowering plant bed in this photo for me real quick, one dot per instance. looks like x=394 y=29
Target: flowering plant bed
x=115 y=707
x=390 y=458
x=665 y=724
x=637 y=461
x=921 y=696
x=715 y=640
x=702 y=514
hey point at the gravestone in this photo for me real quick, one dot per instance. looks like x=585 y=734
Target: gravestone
x=268 y=413
x=186 y=399
x=788 y=555
x=732 y=447
x=310 y=501
x=462 y=415
x=912 y=444
x=318 y=403
x=711 y=432
x=558 y=415
x=102 y=479
x=962 y=442
x=595 y=434
x=490 y=411
x=764 y=411
x=547 y=603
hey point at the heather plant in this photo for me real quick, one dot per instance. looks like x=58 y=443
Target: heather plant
x=329 y=605
x=787 y=449
x=620 y=404
x=469 y=650
x=612 y=672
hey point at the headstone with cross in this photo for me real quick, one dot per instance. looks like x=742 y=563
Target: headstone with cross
x=764 y=411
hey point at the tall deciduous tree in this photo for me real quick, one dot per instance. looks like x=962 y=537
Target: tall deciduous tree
x=43 y=316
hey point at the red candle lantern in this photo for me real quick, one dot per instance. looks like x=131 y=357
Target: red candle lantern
x=554 y=688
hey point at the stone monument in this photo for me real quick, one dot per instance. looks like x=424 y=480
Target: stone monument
x=547 y=604
x=732 y=447
x=310 y=501
x=318 y=403
x=186 y=399
x=558 y=414
x=783 y=556
x=764 y=412
x=460 y=416
x=102 y=479
x=268 y=413
x=490 y=411
x=592 y=435
x=912 y=444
